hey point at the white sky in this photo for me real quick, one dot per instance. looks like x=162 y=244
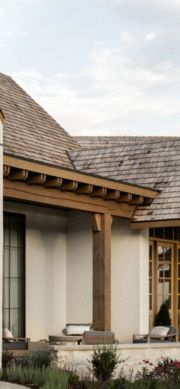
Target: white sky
x=100 y=67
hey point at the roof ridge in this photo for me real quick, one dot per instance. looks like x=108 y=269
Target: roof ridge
x=104 y=147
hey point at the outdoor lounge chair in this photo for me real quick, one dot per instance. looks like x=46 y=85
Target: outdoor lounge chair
x=16 y=344
x=157 y=334
x=11 y=342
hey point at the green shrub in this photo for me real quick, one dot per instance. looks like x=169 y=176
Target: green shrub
x=37 y=359
x=41 y=377
x=104 y=362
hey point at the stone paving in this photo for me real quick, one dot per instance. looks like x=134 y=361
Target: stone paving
x=7 y=385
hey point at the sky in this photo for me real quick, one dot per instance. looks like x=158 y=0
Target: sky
x=99 y=67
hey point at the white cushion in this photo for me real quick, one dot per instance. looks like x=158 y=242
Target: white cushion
x=7 y=334
x=77 y=329
x=159 y=331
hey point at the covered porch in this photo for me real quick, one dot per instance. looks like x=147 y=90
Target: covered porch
x=83 y=262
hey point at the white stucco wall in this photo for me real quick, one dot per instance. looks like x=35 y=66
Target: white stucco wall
x=79 y=268
x=130 y=261
x=130 y=301
x=1 y=229
x=46 y=253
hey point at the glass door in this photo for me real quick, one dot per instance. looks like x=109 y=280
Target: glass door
x=165 y=270
x=14 y=274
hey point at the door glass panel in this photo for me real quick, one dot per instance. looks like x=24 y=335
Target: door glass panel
x=151 y=284
x=164 y=268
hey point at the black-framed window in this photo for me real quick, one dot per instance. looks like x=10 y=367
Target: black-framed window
x=14 y=274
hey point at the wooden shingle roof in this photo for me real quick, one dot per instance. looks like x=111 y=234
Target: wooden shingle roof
x=29 y=132
x=153 y=163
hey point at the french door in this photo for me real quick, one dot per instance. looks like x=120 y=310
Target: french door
x=14 y=274
x=162 y=285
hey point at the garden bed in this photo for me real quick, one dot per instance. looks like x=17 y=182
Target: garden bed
x=34 y=371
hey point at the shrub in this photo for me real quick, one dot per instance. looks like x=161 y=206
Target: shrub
x=37 y=359
x=168 y=368
x=7 y=359
x=104 y=362
x=39 y=377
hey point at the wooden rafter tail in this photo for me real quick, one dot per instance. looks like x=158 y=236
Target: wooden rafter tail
x=112 y=195
x=37 y=179
x=18 y=175
x=99 y=192
x=6 y=170
x=84 y=189
x=137 y=200
x=53 y=182
x=125 y=198
x=69 y=185
x=39 y=194
x=147 y=201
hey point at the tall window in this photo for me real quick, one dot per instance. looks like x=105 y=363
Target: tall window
x=14 y=274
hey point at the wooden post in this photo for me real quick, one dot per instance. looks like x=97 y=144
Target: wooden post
x=102 y=272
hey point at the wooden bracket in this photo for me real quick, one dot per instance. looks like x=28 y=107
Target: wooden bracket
x=96 y=222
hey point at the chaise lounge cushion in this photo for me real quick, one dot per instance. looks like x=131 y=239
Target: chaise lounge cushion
x=159 y=331
x=7 y=335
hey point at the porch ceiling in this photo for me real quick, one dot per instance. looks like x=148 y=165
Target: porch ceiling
x=44 y=184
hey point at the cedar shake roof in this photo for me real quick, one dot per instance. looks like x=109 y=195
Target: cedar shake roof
x=29 y=132
x=93 y=141
x=151 y=162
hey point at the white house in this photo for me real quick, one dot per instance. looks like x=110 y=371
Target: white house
x=91 y=226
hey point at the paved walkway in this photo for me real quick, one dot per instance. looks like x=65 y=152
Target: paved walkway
x=7 y=385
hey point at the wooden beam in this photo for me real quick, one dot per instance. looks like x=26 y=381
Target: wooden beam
x=69 y=186
x=125 y=198
x=112 y=195
x=6 y=171
x=37 y=179
x=102 y=275
x=85 y=189
x=155 y=224
x=18 y=175
x=35 y=194
x=99 y=192
x=53 y=182
x=77 y=176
